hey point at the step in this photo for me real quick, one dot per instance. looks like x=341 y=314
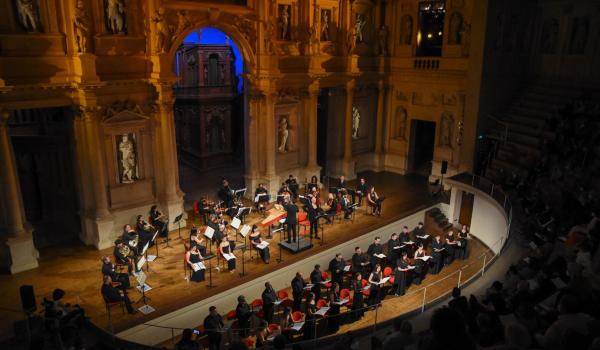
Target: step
x=523 y=110
x=526 y=121
x=521 y=149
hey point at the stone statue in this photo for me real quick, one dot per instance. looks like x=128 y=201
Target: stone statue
x=355 y=122
x=161 y=32
x=351 y=41
x=81 y=24
x=284 y=133
x=383 y=38
x=183 y=23
x=406 y=30
x=401 y=117
x=284 y=21
x=359 y=26
x=128 y=159
x=28 y=15
x=456 y=24
x=447 y=123
x=324 y=26
x=115 y=14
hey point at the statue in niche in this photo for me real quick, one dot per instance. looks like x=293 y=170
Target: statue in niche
x=466 y=38
x=355 y=122
x=579 y=35
x=401 y=117
x=115 y=16
x=29 y=16
x=284 y=21
x=446 y=126
x=454 y=30
x=127 y=158
x=550 y=36
x=284 y=133
x=383 y=38
x=215 y=139
x=359 y=26
x=406 y=30
x=351 y=43
x=324 y=25
x=161 y=32
x=81 y=24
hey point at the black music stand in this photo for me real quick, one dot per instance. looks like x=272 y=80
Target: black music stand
x=178 y=222
x=242 y=212
x=155 y=244
x=280 y=240
x=209 y=257
x=243 y=260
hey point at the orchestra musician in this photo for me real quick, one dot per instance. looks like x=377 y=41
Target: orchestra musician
x=292 y=185
x=360 y=261
x=406 y=240
x=375 y=248
x=121 y=254
x=347 y=206
x=159 y=221
x=290 y=220
x=393 y=249
x=437 y=254
x=256 y=240
x=225 y=249
x=298 y=285
x=463 y=236
x=374 y=279
x=374 y=201
x=145 y=231
x=108 y=269
x=401 y=275
x=361 y=190
x=341 y=184
x=314 y=182
x=113 y=294
x=314 y=212
x=331 y=205
x=196 y=240
x=262 y=201
x=192 y=257
x=130 y=238
x=451 y=245
x=225 y=194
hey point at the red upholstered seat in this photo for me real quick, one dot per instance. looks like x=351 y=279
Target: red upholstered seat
x=364 y=284
x=297 y=316
x=387 y=271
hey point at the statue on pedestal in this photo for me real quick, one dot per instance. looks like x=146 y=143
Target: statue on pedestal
x=447 y=123
x=383 y=37
x=456 y=25
x=128 y=159
x=115 y=14
x=81 y=23
x=359 y=25
x=324 y=26
x=406 y=30
x=161 y=32
x=28 y=15
x=355 y=122
x=284 y=21
x=284 y=133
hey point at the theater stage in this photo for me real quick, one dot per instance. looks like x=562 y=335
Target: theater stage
x=76 y=269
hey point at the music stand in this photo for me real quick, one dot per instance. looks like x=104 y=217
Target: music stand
x=243 y=260
x=143 y=288
x=235 y=223
x=145 y=255
x=280 y=240
x=240 y=193
x=209 y=233
x=178 y=222
x=209 y=258
x=155 y=246
x=242 y=212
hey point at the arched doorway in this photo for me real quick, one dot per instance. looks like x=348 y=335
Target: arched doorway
x=209 y=112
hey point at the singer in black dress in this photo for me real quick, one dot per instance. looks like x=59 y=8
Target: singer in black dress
x=255 y=239
x=225 y=248
x=192 y=257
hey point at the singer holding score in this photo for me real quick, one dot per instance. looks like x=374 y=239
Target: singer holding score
x=227 y=253
x=260 y=244
x=194 y=260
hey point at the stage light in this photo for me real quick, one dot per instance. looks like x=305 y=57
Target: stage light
x=429 y=36
x=440 y=33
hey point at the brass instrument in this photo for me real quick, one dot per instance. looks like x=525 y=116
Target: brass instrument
x=124 y=250
x=134 y=242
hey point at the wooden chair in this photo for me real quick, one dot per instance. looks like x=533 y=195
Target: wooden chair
x=110 y=304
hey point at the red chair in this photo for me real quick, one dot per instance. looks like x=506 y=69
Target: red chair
x=297 y=316
x=321 y=303
x=387 y=271
x=364 y=284
x=248 y=342
x=231 y=315
x=273 y=328
x=196 y=209
x=282 y=295
x=345 y=294
x=303 y=222
x=325 y=277
x=256 y=304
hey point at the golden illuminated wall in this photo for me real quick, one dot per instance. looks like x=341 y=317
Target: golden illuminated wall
x=112 y=61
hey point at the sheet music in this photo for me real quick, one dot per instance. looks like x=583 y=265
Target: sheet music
x=409 y=242
x=410 y=267
x=279 y=301
x=141 y=262
x=424 y=258
x=380 y=256
x=423 y=237
x=245 y=231
x=367 y=287
x=347 y=268
x=235 y=223
x=399 y=247
x=439 y=250
x=228 y=256
x=262 y=245
x=341 y=302
x=145 y=248
x=558 y=283
x=198 y=266
x=308 y=286
x=256 y=198
x=297 y=326
x=322 y=311
x=325 y=282
x=209 y=232
x=533 y=245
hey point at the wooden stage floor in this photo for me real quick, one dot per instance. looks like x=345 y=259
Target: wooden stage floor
x=76 y=269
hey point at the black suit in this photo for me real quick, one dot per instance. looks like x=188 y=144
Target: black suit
x=109 y=270
x=297 y=292
x=341 y=184
x=316 y=278
x=290 y=221
x=437 y=257
x=226 y=195
x=113 y=294
x=269 y=297
x=393 y=253
x=346 y=207
x=337 y=270
x=374 y=249
x=243 y=314
x=213 y=324
x=363 y=191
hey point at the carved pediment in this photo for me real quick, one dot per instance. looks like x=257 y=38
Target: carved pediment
x=123 y=113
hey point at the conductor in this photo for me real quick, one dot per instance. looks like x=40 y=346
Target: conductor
x=290 y=220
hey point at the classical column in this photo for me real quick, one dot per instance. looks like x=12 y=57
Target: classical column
x=348 y=121
x=96 y=163
x=311 y=114
x=379 y=121
x=251 y=139
x=18 y=246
